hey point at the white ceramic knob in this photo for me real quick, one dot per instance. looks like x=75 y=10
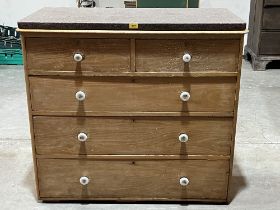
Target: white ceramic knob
x=187 y=57
x=185 y=96
x=183 y=137
x=82 y=137
x=78 y=57
x=84 y=180
x=184 y=181
x=80 y=96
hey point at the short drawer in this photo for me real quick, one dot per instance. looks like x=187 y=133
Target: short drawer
x=269 y=43
x=57 y=54
x=139 y=179
x=85 y=95
x=205 y=55
x=271 y=15
x=271 y=3
x=132 y=136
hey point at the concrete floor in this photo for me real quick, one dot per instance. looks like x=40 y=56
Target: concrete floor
x=256 y=174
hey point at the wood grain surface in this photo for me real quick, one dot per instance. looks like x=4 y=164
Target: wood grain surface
x=56 y=54
x=132 y=113
x=271 y=17
x=166 y=55
x=126 y=179
x=132 y=136
x=270 y=43
x=132 y=95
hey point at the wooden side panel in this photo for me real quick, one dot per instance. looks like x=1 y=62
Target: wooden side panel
x=139 y=95
x=251 y=25
x=133 y=179
x=132 y=136
x=270 y=43
x=166 y=55
x=255 y=25
x=56 y=54
x=271 y=17
x=31 y=128
x=241 y=44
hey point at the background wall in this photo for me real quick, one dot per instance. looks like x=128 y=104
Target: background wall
x=13 y=10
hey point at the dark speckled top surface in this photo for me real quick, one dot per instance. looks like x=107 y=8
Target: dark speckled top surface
x=154 y=19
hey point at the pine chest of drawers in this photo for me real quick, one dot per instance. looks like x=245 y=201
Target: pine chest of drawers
x=132 y=104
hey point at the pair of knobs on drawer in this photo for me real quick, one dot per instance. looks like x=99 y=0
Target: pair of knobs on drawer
x=82 y=137
x=78 y=57
x=81 y=96
x=184 y=181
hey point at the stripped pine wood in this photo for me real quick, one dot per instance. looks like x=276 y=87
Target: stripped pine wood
x=130 y=179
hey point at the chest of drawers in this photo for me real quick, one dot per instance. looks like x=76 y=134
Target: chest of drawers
x=130 y=108
x=263 y=45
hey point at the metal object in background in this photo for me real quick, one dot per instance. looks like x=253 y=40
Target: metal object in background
x=86 y=3
x=10 y=46
x=130 y=4
x=167 y=3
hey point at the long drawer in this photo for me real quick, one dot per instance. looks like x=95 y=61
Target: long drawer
x=132 y=95
x=132 y=136
x=141 y=179
x=271 y=16
x=57 y=54
x=206 y=55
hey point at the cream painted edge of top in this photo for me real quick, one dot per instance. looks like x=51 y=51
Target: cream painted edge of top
x=127 y=32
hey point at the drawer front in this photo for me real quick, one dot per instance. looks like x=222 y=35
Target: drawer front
x=271 y=3
x=206 y=55
x=57 y=54
x=138 y=95
x=270 y=43
x=132 y=136
x=271 y=17
x=142 y=179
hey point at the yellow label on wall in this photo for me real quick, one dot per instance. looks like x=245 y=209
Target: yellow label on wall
x=133 y=25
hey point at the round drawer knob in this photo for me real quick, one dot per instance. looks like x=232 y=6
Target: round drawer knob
x=82 y=137
x=80 y=96
x=183 y=137
x=184 y=181
x=84 y=180
x=185 y=96
x=187 y=57
x=78 y=57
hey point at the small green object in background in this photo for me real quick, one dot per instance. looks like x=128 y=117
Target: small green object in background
x=167 y=3
x=193 y=3
x=11 y=57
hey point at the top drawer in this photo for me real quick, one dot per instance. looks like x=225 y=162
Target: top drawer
x=271 y=3
x=57 y=54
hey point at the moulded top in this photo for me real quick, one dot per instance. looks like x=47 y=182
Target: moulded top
x=148 y=19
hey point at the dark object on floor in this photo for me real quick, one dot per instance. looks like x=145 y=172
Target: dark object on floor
x=263 y=45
